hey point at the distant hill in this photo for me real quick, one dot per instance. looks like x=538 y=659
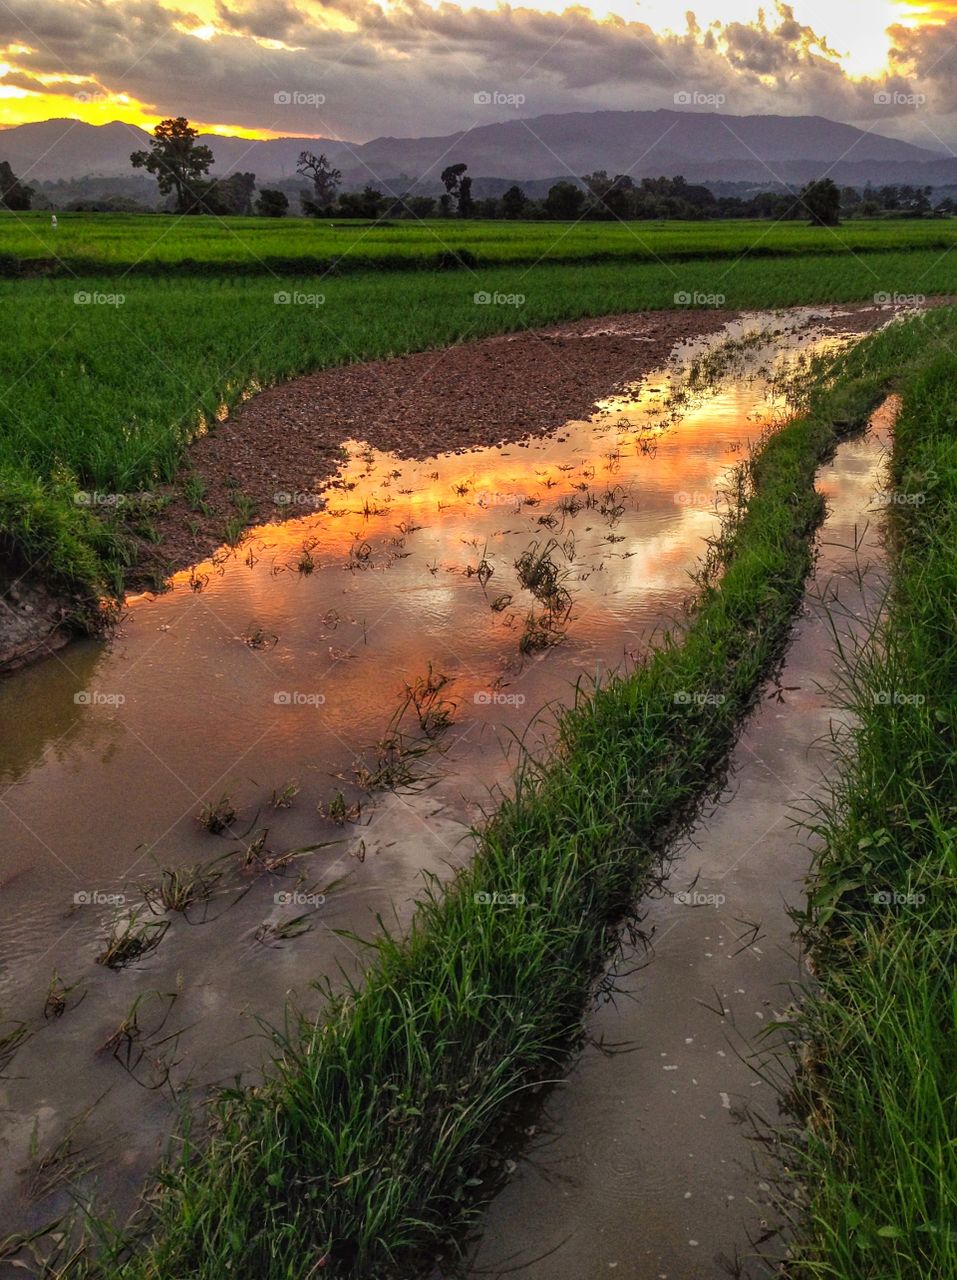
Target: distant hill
x=704 y=146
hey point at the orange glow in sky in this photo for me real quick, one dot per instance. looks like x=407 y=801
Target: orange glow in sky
x=854 y=29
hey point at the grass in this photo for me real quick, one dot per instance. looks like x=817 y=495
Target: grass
x=378 y=1125
x=99 y=403
x=86 y=244
x=878 y=1095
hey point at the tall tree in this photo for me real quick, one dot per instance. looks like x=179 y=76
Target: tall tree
x=514 y=202
x=176 y=160
x=564 y=201
x=236 y=192
x=822 y=201
x=13 y=194
x=325 y=180
x=458 y=187
x=272 y=204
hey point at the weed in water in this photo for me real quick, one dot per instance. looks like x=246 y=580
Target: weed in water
x=283 y=797
x=339 y=811
x=130 y=939
x=425 y=696
x=217 y=815
x=58 y=997
x=180 y=887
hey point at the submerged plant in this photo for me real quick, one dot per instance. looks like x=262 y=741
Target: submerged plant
x=180 y=887
x=339 y=811
x=131 y=938
x=424 y=695
x=217 y=815
x=283 y=797
x=58 y=995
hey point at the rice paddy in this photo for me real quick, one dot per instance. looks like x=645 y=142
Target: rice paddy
x=381 y=1122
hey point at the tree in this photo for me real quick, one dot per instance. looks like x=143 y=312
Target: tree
x=325 y=181
x=178 y=163
x=564 y=201
x=514 y=202
x=613 y=197
x=457 y=187
x=822 y=202
x=367 y=203
x=420 y=206
x=272 y=204
x=466 y=204
x=236 y=192
x=13 y=194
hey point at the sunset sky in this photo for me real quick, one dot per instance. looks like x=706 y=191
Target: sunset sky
x=357 y=69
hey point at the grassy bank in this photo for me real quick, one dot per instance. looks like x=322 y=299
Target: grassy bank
x=880 y=1100
x=377 y=1125
x=104 y=385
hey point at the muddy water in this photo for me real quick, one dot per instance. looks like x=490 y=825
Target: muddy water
x=278 y=664
x=650 y=1163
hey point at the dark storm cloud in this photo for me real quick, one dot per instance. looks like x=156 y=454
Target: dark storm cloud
x=409 y=68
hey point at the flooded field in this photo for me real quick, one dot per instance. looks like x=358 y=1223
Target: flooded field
x=652 y=1160
x=335 y=697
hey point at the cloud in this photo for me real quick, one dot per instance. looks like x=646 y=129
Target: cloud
x=409 y=68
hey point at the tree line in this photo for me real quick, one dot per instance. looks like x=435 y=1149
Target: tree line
x=181 y=164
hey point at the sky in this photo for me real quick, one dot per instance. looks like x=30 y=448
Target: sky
x=357 y=69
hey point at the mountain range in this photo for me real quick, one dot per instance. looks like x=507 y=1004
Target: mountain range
x=703 y=146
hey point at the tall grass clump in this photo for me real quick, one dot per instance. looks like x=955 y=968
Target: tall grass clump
x=877 y=1157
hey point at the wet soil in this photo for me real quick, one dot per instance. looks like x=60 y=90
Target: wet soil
x=34 y=621
x=280 y=450
x=282 y=447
